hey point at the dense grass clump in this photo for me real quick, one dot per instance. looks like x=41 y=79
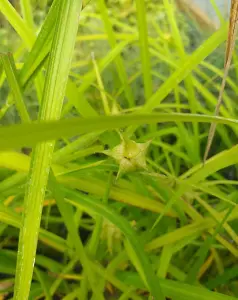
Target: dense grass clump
x=105 y=111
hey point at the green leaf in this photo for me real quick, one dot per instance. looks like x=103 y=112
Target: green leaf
x=55 y=84
x=28 y=135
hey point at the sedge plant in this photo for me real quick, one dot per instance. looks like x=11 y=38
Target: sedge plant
x=111 y=200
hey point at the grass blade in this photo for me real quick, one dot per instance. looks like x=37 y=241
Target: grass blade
x=55 y=84
x=28 y=135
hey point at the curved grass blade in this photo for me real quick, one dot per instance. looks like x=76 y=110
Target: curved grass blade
x=30 y=134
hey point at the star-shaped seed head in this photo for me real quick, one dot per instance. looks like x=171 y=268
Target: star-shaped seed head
x=130 y=156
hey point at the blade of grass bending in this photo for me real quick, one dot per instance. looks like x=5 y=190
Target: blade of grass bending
x=54 y=90
x=229 y=50
x=30 y=134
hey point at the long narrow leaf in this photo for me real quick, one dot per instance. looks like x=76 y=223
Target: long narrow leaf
x=27 y=135
x=56 y=79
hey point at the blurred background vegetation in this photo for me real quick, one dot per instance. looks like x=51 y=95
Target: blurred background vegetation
x=92 y=38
